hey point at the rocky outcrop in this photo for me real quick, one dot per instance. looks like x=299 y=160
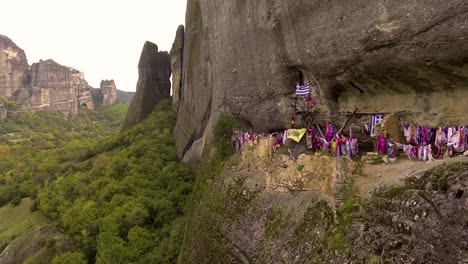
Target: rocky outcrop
x=57 y=88
x=14 y=68
x=108 y=92
x=378 y=56
x=177 y=54
x=45 y=86
x=154 y=71
x=37 y=244
x=240 y=218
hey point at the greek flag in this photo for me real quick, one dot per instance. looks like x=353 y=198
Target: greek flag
x=377 y=119
x=302 y=90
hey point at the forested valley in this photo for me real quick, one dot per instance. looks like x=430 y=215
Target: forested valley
x=114 y=197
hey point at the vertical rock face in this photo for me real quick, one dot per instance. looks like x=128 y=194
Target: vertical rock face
x=3 y=111
x=108 y=92
x=14 y=68
x=177 y=54
x=82 y=90
x=154 y=71
x=245 y=57
x=58 y=88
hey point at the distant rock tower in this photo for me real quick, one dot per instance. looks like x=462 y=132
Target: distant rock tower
x=108 y=92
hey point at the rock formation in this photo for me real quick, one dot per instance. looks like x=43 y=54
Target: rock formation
x=177 y=54
x=14 y=68
x=45 y=86
x=57 y=88
x=109 y=92
x=34 y=245
x=378 y=56
x=154 y=71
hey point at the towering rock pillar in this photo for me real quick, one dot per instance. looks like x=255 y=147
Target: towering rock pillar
x=154 y=70
x=108 y=92
x=177 y=54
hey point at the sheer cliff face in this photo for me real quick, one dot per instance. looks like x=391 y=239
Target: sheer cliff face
x=45 y=86
x=246 y=56
x=177 y=53
x=13 y=68
x=57 y=88
x=154 y=85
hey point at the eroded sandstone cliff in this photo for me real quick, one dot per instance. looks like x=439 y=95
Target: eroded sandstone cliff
x=46 y=85
x=58 y=88
x=245 y=57
x=14 y=68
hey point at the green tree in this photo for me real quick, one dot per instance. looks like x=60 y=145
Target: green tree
x=70 y=258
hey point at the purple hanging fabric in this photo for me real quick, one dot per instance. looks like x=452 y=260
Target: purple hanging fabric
x=424 y=136
x=391 y=153
x=329 y=133
x=381 y=144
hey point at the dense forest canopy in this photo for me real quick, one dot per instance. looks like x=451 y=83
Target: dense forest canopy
x=121 y=197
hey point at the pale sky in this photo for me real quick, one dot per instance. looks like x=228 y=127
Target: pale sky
x=103 y=38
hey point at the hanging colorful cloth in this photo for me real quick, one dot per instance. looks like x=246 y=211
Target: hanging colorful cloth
x=391 y=152
x=339 y=144
x=278 y=139
x=310 y=100
x=354 y=147
x=297 y=134
x=466 y=137
x=329 y=132
x=381 y=144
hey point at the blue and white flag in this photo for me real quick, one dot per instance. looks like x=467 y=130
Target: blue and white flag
x=377 y=119
x=302 y=90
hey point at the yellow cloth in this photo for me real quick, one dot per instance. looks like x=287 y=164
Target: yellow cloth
x=297 y=134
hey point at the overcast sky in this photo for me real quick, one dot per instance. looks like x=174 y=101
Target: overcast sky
x=103 y=38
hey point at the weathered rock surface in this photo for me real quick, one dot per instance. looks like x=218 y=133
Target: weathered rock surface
x=57 y=88
x=109 y=92
x=14 y=68
x=177 y=54
x=380 y=56
x=154 y=71
x=240 y=219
